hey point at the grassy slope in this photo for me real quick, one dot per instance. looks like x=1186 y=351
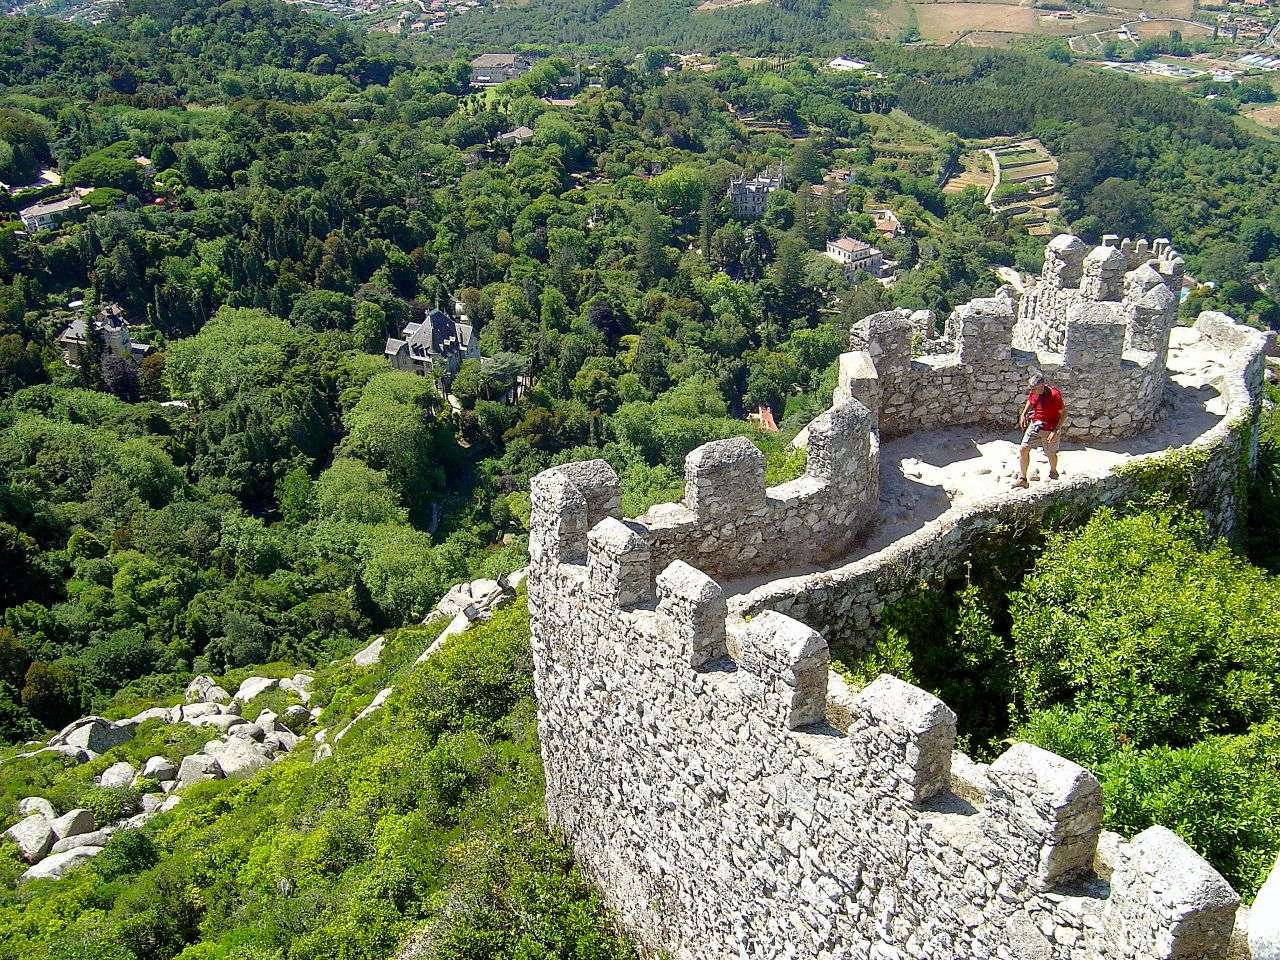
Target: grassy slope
x=427 y=822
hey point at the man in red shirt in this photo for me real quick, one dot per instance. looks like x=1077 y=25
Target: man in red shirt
x=1041 y=420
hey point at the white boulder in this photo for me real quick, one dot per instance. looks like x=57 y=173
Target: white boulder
x=33 y=835
x=96 y=734
x=194 y=711
x=160 y=769
x=198 y=767
x=30 y=805
x=370 y=654
x=118 y=775
x=1264 y=918
x=54 y=867
x=204 y=689
x=163 y=714
x=253 y=686
x=94 y=838
x=240 y=758
x=221 y=722
x=169 y=803
x=73 y=823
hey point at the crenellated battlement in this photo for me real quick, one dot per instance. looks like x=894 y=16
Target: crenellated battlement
x=734 y=797
x=729 y=523
x=1116 y=271
x=1096 y=327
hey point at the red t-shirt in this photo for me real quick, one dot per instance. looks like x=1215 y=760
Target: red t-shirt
x=1046 y=407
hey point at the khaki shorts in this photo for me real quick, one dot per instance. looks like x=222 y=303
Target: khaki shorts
x=1037 y=436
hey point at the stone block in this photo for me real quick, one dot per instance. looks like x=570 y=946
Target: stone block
x=618 y=562
x=1055 y=805
x=1167 y=903
x=910 y=727
x=724 y=478
x=694 y=607
x=787 y=664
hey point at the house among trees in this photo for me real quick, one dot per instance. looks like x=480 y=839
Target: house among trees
x=434 y=346
x=832 y=193
x=854 y=255
x=110 y=324
x=887 y=223
x=517 y=137
x=41 y=216
x=748 y=194
x=490 y=69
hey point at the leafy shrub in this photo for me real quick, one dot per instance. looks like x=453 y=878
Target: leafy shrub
x=109 y=804
x=127 y=852
x=1166 y=637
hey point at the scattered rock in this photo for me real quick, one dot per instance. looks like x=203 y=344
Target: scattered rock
x=169 y=803
x=96 y=734
x=1264 y=918
x=198 y=687
x=249 y=731
x=168 y=786
x=221 y=722
x=118 y=775
x=299 y=685
x=40 y=805
x=160 y=768
x=33 y=835
x=163 y=714
x=73 y=823
x=253 y=686
x=150 y=803
x=323 y=752
x=195 y=711
x=197 y=768
x=239 y=758
x=54 y=867
x=297 y=713
x=373 y=707
x=281 y=741
x=370 y=654
x=94 y=838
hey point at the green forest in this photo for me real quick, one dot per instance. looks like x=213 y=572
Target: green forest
x=269 y=196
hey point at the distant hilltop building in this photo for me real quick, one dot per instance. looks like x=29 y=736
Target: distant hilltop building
x=846 y=65
x=434 y=346
x=111 y=323
x=517 y=137
x=748 y=194
x=490 y=69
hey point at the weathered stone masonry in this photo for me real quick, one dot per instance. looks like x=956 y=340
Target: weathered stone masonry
x=734 y=799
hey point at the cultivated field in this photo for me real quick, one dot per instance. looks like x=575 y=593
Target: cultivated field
x=975 y=171
x=1150 y=29
x=997 y=24
x=1268 y=116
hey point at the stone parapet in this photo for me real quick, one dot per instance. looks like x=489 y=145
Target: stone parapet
x=733 y=798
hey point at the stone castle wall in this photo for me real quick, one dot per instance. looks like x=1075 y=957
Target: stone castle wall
x=734 y=799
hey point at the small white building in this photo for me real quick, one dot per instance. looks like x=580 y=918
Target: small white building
x=854 y=256
x=517 y=137
x=846 y=64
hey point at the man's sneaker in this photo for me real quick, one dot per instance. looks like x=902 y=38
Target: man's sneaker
x=1053 y=474
x=1021 y=483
